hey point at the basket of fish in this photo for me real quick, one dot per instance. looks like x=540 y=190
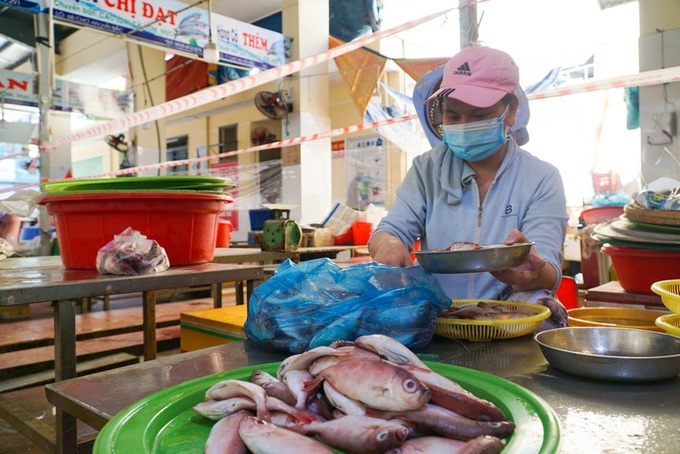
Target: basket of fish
x=484 y=320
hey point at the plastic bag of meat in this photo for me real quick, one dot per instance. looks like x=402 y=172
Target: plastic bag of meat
x=316 y=302
x=131 y=253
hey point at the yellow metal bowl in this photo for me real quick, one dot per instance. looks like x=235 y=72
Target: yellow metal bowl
x=486 y=330
x=614 y=317
x=669 y=323
x=669 y=291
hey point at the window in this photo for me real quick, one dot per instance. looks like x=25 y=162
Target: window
x=177 y=150
x=228 y=141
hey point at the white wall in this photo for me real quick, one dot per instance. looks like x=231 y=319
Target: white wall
x=660 y=107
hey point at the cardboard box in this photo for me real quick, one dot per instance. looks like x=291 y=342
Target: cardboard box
x=211 y=327
x=340 y=219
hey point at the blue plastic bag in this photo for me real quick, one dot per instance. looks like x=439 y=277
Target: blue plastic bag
x=316 y=302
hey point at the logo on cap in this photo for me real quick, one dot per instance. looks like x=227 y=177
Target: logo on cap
x=463 y=70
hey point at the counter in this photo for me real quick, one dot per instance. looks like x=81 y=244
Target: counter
x=38 y=279
x=594 y=416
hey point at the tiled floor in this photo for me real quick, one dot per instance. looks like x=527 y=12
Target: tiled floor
x=12 y=442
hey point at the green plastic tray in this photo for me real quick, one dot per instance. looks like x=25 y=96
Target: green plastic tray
x=165 y=422
x=180 y=182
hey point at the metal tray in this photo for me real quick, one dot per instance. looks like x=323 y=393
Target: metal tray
x=489 y=257
x=614 y=354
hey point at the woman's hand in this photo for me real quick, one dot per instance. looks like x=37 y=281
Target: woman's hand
x=388 y=249
x=531 y=273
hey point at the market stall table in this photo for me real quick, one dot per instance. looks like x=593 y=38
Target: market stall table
x=252 y=254
x=595 y=416
x=39 y=279
x=612 y=292
x=257 y=255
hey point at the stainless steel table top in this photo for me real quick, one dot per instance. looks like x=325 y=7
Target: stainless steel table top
x=594 y=416
x=241 y=255
x=37 y=279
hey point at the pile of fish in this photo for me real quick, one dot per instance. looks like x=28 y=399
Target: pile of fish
x=372 y=395
x=482 y=310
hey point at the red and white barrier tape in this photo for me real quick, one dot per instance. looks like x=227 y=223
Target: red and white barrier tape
x=280 y=144
x=218 y=92
x=655 y=77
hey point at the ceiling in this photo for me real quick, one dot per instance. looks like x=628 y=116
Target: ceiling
x=17 y=39
x=248 y=11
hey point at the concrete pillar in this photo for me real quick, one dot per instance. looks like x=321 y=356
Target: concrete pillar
x=468 y=23
x=147 y=141
x=306 y=169
x=658 y=49
x=45 y=100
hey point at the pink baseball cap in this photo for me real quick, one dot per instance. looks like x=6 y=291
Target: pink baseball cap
x=479 y=76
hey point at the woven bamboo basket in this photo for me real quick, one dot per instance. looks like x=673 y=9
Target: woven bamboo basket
x=637 y=213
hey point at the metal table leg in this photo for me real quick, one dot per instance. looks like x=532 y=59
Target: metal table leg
x=238 y=288
x=217 y=295
x=65 y=368
x=149 y=324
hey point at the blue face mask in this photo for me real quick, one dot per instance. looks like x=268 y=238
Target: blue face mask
x=476 y=141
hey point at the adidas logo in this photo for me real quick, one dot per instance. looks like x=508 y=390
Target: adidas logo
x=463 y=70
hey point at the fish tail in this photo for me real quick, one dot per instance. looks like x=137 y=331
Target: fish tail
x=468 y=406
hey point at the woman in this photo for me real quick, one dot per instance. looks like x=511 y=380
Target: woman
x=479 y=186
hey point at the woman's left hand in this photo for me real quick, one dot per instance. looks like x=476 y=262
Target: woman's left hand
x=530 y=273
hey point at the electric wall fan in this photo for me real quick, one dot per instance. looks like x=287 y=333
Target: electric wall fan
x=272 y=105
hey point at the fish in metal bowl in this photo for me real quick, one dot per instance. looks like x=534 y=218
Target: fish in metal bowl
x=464 y=257
x=613 y=354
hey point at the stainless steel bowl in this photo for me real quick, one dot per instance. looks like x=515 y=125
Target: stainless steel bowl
x=489 y=257
x=614 y=354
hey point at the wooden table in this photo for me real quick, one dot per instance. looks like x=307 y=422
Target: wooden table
x=594 y=416
x=612 y=292
x=39 y=279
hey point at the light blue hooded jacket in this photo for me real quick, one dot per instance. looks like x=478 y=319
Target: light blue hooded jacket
x=438 y=202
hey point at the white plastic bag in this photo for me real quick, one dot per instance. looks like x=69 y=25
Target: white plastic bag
x=131 y=253
x=22 y=202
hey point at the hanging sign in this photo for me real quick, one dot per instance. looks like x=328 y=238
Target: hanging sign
x=19 y=88
x=32 y=6
x=175 y=25
x=366 y=169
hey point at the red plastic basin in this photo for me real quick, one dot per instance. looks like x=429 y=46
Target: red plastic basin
x=637 y=268
x=596 y=215
x=184 y=223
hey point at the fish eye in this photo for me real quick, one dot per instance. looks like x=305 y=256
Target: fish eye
x=382 y=436
x=410 y=385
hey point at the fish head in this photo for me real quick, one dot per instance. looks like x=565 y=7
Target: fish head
x=408 y=389
x=253 y=427
x=261 y=377
x=395 y=434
